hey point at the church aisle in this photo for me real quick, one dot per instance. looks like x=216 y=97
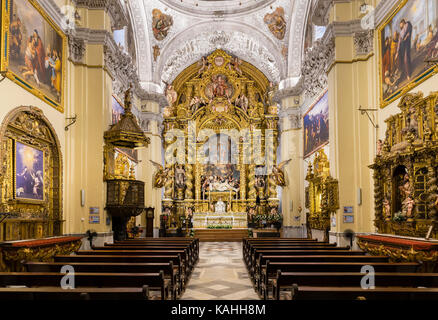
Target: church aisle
x=220 y=274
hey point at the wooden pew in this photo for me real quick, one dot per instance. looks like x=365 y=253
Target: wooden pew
x=176 y=260
x=165 y=283
x=187 y=267
x=187 y=255
x=137 y=246
x=57 y=293
x=251 y=262
x=261 y=263
x=286 y=280
x=271 y=270
x=357 y=293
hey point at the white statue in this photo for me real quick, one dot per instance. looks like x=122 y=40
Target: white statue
x=220 y=207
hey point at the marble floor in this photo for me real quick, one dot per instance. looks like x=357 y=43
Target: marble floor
x=220 y=274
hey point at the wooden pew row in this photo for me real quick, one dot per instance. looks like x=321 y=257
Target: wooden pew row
x=357 y=293
x=251 y=261
x=175 y=259
x=246 y=243
x=187 y=255
x=187 y=268
x=165 y=280
x=272 y=268
x=57 y=293
x=261 y=263
x=194 y=242
x=287 y=280
x=86 y=280
x=253 y=248
x=254 y=268
x=137 y=246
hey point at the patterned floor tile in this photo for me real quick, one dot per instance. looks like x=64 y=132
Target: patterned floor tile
x=220 y=274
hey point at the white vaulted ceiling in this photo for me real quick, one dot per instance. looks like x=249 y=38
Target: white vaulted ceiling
x=201 y=26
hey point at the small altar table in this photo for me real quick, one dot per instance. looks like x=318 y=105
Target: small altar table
x=13 y=252
x=400 y=249
x=234 y=219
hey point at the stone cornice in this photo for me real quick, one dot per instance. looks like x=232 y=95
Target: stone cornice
x=320 y=11
x=114 y=8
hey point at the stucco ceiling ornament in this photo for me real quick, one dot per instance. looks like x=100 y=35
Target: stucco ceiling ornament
x=237 y=43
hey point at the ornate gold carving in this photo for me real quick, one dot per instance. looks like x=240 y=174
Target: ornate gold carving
x=28 y=125
x=220 y=92
x=323 y=193
x=405 y=168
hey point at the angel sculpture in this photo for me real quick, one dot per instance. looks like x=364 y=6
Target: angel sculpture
x=278 y=173
x=161 y=176
x=203 y=65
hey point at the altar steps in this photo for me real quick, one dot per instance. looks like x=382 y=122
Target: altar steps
x=221 y=235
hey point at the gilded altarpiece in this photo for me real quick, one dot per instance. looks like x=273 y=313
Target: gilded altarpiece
x=322 y=194
x=32 y=197
x=405 y=170
x=221 y=112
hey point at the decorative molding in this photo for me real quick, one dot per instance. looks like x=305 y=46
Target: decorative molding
x=114 y=8
x=318 y=60
x=320 y=12
x=76 y=48
x=364 y=42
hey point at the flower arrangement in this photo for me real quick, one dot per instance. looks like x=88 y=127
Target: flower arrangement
x=399 y=217
x=220 y=226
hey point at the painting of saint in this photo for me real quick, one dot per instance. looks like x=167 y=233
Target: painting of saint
x=117 y=110
x=276 y=23
x=161 y=24
x=408 y=40
x=316 y=126
x=29 y=176
x=36 y=51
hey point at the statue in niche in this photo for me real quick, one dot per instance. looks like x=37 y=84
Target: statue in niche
x=387 y=209
x=242 y=102
x=278 y=174
x=180 y=176
x=379 y=147
x=196 y=103
x=161 y=176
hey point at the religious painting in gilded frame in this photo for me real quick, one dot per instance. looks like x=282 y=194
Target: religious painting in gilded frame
x=408 y=39
x=33 y=51
x=29 y=172
x=316 y=125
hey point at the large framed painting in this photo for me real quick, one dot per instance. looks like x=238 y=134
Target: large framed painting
x=29 y=172
x=316 y=125
x=408 y=41
x=116 y=110
x=33 y=51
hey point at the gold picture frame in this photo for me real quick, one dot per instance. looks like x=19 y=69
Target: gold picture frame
x=43 y=167
x=416 y=79
x=51 y=87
